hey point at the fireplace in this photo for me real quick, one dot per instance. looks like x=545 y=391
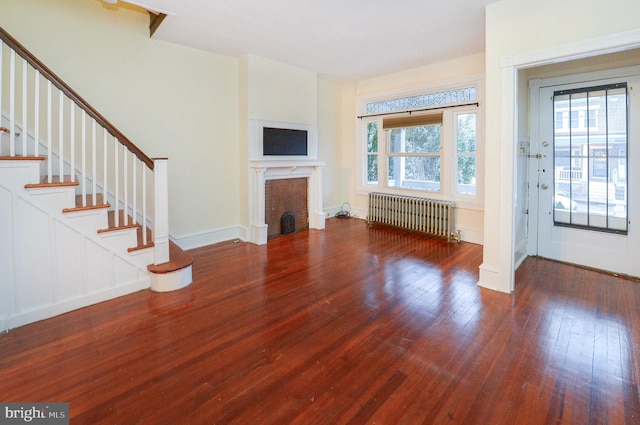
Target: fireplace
x=286 y=209
x=295 y=163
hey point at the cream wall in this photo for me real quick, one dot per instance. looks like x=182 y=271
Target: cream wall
x=273 y=91
x=519 y=27
x=281 y=92
x=169 y=100
x=335 y=143
x=470 y=221
x=188 y=105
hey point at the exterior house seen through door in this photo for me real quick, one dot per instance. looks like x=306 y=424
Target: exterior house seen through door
x=586 y=160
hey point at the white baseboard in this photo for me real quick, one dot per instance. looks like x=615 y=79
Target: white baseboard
x=331 y=211
x=470 y=235
x=51 y=310
x=210 y=237
x=359 y=213
x=490 y=278
x=520 y=254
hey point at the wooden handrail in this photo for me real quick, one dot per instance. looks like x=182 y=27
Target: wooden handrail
x=62 y=86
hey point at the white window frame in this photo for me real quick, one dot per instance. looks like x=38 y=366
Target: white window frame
x=448 y=173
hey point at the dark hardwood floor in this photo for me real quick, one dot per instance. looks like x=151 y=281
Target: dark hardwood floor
x=351 y=325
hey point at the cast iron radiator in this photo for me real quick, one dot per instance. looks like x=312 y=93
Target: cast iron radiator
x=415 y=214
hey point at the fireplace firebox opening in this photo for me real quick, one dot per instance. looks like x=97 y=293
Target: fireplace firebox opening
x=286 y=200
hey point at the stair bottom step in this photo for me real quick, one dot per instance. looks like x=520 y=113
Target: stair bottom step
x=178 y=259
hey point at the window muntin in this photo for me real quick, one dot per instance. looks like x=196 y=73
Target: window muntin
x=590 y=158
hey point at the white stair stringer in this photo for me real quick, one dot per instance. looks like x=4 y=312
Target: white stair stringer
x=54 y=262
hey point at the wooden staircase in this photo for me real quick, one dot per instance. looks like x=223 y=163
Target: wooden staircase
x=78 y=187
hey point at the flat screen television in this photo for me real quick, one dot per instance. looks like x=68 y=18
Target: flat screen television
x=284 y=142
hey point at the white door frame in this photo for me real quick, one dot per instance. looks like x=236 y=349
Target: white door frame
x=510 y=66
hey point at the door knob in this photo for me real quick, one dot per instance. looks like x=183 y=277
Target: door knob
x=544 y=186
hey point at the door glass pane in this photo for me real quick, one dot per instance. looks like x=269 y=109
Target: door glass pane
x=590 y=157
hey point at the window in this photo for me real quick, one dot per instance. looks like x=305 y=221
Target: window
x=466 y=159
x=414 y=151
x=432 y=148
x=372 y=152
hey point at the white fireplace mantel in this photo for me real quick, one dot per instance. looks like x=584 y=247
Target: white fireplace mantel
x=262 y=170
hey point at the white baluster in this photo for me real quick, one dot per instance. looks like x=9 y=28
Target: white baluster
x=61 y=136
x=49 y=135
x=24 y=107
x=72 y=123
x=12 y=104
x=134 y=187
x=36 y=111
x=117 y=183
x=1 y=85
x=83 y=160
x=125 y=176
x=94 y=189
x=104 y=166
x=144 y=205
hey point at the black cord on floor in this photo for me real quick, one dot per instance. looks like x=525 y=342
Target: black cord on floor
x=344 y=211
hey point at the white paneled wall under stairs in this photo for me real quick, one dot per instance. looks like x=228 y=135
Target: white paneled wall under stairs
x=54 y=261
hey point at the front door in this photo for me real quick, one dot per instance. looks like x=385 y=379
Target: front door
x=588 y=170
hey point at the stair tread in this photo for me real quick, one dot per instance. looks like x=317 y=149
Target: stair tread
x=122 y=222
x=89 y=204
x=178 y=259
x=22 y=158
x=56 y=181
x=140 y=243
x=128 y=224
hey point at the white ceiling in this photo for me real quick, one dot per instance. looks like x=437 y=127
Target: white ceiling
x=342 y=40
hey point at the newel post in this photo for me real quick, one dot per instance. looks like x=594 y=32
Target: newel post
x=161 y=219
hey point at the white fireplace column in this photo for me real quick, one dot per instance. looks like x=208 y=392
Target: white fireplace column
x=316 y=214
x=257 y=207
x=261 y=171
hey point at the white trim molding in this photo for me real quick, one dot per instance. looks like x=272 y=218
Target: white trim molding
x=261 y=171
x=501 y=277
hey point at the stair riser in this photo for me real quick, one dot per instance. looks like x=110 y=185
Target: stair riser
x=120 y=240
x=89 y=220
x=57 y=198
x=16 y=174
x=142 y=257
